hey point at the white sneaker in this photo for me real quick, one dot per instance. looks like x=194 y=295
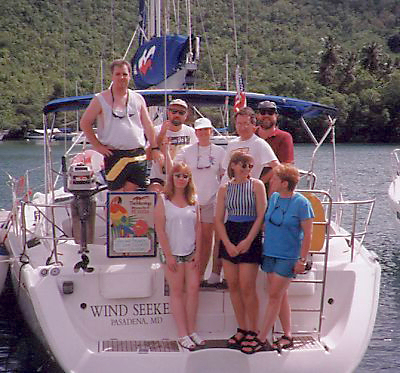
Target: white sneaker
x=214 y=278
x=197 y=339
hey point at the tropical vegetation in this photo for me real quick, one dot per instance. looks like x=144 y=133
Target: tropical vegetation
x=344 y=53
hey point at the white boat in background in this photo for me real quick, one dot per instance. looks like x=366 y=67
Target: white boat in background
x=3 y=134
x=64 y=136
x=79 y=286
x=394 y=187
x=38 y=133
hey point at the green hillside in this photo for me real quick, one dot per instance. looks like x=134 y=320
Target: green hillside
x=342 y=53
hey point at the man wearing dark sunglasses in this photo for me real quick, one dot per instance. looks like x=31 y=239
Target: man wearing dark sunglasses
x=248 y=142
x=280 y=141
x=123 y=121
x=174 y=134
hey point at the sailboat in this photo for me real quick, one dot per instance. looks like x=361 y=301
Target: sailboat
x=394 y=186
x=84 y=263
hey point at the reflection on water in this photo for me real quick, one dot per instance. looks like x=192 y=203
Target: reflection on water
x=20 y=352
x=364 y=174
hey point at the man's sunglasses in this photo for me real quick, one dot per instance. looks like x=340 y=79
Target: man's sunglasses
x=267 y=111
x=180 y=112
x=123 y=116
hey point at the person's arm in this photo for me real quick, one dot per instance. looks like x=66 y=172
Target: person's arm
x=219 y=222
x=160 y=220
x=306 y=225
x=286 y=149
x=266 y=173
x=149 y=131
x=86 y=124
x=261 y=205
x=197 y=255
x=161 y=135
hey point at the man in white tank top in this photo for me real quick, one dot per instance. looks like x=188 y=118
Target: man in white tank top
x=123 y=121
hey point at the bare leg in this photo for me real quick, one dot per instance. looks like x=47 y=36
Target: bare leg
x=284 y=315
x=277 y=287
x=192 y=277
x=207 y=230
x=129 y=187
x=176 y=282
x=217 y=262
x=247 y=279
x=232 y=276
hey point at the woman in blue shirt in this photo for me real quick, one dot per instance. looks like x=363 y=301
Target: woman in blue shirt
x=287 y=239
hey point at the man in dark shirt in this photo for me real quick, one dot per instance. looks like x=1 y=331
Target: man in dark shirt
x=280 y=141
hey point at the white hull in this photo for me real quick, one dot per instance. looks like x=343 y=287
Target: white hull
x=394 y=186
x=113 y=314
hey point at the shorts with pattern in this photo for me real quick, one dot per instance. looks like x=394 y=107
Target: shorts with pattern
x=126 y=165
x=178 y=258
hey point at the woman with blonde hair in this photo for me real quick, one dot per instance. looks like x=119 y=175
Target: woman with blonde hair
x=178 y=231
x=287 y=240
x=243 y=198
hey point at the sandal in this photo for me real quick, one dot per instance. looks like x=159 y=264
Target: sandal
x=279 y=345
x=235 y=341
x=187 y=343
x=248 y=338
x=259 y=346
x=197 y=339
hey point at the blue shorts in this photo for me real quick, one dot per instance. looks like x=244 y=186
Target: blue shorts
x=282 y=267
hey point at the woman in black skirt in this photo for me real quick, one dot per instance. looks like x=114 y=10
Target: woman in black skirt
x=244 y=200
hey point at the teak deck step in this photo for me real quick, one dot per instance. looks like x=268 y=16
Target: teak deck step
x=303 y=342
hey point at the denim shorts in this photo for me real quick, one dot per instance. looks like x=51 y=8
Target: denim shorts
x=178 y=258
x=282 y=267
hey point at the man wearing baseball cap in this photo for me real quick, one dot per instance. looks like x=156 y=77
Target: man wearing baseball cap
x=280 y=141
x=174 y=134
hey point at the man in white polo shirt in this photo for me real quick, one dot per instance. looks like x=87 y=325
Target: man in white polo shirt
x=249 y=143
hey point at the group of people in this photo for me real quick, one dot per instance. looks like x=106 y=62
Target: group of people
x=201 y=186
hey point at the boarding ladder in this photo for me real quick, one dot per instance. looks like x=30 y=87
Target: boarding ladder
x=330 y=218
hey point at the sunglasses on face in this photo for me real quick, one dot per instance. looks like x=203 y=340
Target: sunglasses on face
x=180 y=112
x=247 y=165
x=179 y=176
x=267 y=111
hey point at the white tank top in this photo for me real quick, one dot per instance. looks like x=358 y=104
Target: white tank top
x=121 y=133
x=180 y=226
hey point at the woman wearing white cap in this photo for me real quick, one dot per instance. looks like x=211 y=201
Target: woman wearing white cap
x=205 y=161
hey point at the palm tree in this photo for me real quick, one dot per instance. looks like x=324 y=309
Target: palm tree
x=371 y=56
